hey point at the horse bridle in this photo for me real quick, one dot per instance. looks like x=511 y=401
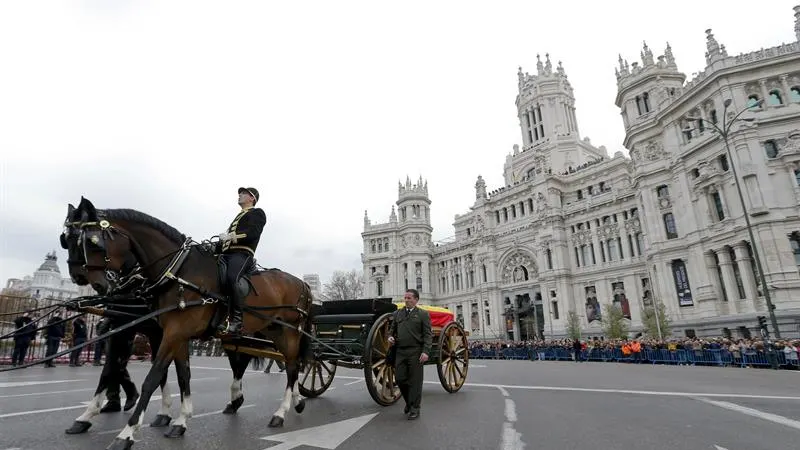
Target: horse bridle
x=97 y=238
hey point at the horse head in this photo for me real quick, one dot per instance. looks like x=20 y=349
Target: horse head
x=106 y=252
x=70 y=241
x=114 y=241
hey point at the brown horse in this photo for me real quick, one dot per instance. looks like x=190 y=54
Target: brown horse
x=118 y=346
x=185 y=274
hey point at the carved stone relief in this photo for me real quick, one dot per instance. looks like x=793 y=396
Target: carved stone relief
x=513 y=268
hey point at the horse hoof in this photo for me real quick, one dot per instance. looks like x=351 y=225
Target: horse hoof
x=161 y=421
x=79 y=427
x=175 y=431
x=276 y=422
x=301 y=405
x=233 y=406
x=121 y=444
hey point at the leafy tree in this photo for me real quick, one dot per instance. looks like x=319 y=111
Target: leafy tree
x=344 y=285
x=573 y=325
x=614 y=322
x=652 y=321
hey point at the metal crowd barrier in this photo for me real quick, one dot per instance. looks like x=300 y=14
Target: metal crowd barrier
x=716 y=357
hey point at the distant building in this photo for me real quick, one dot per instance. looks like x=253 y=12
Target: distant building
x=46 y=287
x=46 y=283
x=573 y=229
x=312 y=279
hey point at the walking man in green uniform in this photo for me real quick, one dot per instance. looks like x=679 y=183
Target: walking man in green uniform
x=412 y=334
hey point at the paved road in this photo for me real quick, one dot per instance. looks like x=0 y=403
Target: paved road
x=506 y=405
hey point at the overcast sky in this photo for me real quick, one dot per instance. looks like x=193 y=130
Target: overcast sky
x=168 y=107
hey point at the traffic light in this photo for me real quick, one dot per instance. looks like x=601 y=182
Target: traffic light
x=762 y=321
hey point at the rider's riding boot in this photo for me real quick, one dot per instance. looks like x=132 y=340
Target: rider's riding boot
x=233 y=326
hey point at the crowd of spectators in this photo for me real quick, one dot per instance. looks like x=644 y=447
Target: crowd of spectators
x=682 y=351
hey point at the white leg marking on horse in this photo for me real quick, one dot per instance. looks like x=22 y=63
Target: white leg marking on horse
x=94 y=407
x=285 y=403
x=186 y=411
x=236 y=389
x=166 y=401
x=296 y=393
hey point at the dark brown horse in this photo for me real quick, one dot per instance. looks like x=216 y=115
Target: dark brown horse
x=185 y=274
x=119 y=348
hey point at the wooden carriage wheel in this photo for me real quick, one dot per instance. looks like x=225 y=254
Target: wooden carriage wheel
x=379 y=375
x=453 y=357
x=316 y=378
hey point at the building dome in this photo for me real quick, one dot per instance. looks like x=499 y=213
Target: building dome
x=50 y=263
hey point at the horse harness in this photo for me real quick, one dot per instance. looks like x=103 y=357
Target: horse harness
x=97 y=232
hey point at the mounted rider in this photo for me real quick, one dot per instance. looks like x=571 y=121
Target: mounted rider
x=237 y=248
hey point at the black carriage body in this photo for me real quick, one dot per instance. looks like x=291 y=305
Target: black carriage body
x=354 y=333
x=344 y=325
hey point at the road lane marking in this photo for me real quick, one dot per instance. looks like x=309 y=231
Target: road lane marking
x=354 y=382
x=198 y=416
x=33 y=394
x=511 y=438
x=754 y=413
x=12 y=384
x=63 y=408
x=629 y=391
x=597 y=390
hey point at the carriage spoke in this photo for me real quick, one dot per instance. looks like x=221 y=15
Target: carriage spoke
x=378 y=364
x=318 y=371
x=308 y=372
x=325 y=366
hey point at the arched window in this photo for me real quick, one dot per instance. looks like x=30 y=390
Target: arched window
x=752 y=101
x=775 y=98
x=794 y=94
x=771 y=149
x=669 y=226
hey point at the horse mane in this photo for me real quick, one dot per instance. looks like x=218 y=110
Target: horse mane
x=132 y=215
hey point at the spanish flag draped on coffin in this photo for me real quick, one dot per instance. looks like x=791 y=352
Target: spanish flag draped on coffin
x=439 y=316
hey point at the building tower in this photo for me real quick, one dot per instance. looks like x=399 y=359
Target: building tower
x=414 y=233
x=550 y=137
x=646 y=89
x=397 y=254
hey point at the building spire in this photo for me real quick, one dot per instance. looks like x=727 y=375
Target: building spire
x=797 y=22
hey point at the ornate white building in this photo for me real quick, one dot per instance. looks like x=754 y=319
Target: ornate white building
x=573 y=230
x=47 y=283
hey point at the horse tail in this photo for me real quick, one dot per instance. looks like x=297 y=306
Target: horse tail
x=306 y=354
x=258 y=362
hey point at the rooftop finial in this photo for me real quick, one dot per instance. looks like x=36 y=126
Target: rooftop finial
x=797 y=22
x=669 y=56
x=647 y=55
x=712 y=45
x=548 y=67
x=539 y=65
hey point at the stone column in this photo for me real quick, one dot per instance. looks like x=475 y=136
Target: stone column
x=716 y=283
x=764 y=93
x=787 y=94
x=728 y=277
x=745 y=263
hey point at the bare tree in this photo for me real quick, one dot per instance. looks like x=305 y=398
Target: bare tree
x=344 y=285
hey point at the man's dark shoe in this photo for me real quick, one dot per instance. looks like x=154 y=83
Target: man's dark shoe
x=413 y=415
x=406 y=409
x=130 y=402
x=111 y=407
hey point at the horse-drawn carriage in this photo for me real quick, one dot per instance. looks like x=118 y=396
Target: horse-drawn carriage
x=140 y=262
x=354 y=333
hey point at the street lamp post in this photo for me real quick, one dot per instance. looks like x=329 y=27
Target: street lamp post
x=724 y=131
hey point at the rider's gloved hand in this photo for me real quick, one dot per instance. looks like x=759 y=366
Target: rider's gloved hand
x=226 y=236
